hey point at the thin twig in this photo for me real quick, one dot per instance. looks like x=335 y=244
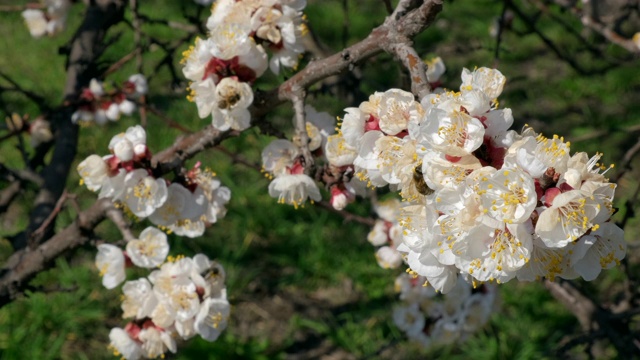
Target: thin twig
x=54 y=213
x=300 y=123
x=346 y=215
x=12 y=8
x=120 y=63
x=115 y=215
x=164 y=117
x=499 y=31
x=137 y=37
x=610 y=35
x=345 y=23
x=39 y=100
x=530 y=23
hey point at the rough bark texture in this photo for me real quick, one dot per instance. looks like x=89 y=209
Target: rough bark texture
x=32 y=255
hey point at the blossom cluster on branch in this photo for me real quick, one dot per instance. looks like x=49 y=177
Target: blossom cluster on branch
x=185 y=297
x=51 y=22
x=433 y=319
x=222 y=67
x=480 y=204
x=102 y=102
x=481 y=201
x=185 y=205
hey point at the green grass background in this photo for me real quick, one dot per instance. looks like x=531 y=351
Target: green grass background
x=314 y=275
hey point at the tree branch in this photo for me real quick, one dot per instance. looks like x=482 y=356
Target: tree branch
x=85 y=50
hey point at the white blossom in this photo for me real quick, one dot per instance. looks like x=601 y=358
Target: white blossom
x=150 y=250
x=111 y=263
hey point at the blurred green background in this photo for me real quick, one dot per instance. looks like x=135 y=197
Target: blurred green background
x=303 y=283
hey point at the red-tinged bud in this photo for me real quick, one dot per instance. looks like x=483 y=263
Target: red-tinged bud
x=340 y=197
x=551 y=194
x=372 y=124
x=133 y=330
x=297 y=168
x=564 y=187
x=87 y=95
x=200 y=291
x=127 y=260
x=119 y=98
x=539 y=189
x=128 y=87
x=128 y=165
x=402 y=134
x=453 y=159
x=148 y=323
x=105 y=105
x=114 y=164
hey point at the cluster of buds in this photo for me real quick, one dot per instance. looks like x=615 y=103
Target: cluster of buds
x=433 y=319
x=52 y=22
x=222 y=67
x=184 y=206
x=99 y=103
x=185 y=297
x=39 y=129
x=481 y=200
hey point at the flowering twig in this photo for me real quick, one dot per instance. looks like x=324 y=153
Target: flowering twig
x=499 y=31
x=323 y=204
x=388 y=6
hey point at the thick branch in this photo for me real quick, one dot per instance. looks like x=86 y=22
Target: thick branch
x=595 y=318
x=402 y=49
x=23 y=265
x=85 y=49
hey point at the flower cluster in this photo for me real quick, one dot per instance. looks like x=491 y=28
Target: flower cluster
x=99 y=104
x=49 y=23
x=184 y=206
x=482 y=200
x=433 y=319
x=283 y=162
x=184 y=298
x=387 y=234
x=222 y=67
